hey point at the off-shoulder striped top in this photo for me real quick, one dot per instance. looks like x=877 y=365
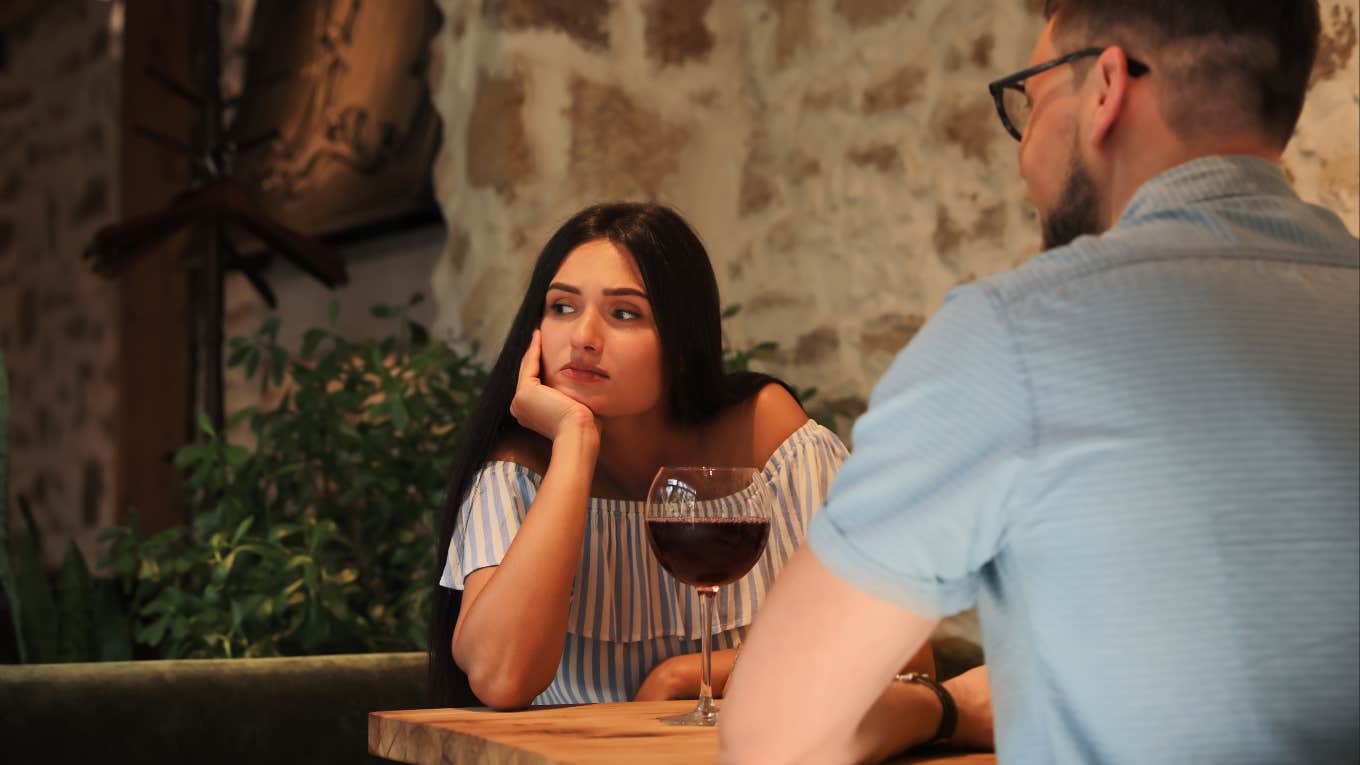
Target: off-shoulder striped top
x=627 y=613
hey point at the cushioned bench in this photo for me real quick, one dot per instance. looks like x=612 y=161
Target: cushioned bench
x=239 y=711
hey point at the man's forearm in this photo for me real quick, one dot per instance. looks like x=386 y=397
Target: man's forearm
x=905 y=716
x=796 y=691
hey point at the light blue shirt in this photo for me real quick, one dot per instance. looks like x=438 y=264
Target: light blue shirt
x=1140 y=455
x=627 y=613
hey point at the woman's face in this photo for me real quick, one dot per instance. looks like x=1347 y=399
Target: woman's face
x=600 y=344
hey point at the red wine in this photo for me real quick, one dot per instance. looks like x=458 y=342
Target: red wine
x=709 y=552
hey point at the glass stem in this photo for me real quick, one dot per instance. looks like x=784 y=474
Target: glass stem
x=706 y=617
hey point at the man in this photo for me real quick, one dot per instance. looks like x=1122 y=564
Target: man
x=1137 y=452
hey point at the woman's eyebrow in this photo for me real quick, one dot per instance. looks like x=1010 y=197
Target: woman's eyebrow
x=614 y=292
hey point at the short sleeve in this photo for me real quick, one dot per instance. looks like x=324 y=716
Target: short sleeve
x=488 y=520
x=801 y=472
x=918 y=510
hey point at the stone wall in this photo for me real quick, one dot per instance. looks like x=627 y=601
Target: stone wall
x=841 y=158
x=59 y=147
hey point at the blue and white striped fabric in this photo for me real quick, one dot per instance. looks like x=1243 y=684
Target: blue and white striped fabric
x=627 y=613
x=1140 y=453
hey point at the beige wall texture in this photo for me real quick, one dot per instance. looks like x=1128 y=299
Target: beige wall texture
x=59 y=154
x=840 y=158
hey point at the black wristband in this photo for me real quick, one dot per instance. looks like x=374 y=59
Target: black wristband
x=949 y=711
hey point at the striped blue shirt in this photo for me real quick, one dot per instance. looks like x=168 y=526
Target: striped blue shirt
x=1140 y=454
x=627 y=613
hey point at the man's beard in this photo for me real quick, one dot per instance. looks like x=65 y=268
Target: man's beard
x=1077 y=212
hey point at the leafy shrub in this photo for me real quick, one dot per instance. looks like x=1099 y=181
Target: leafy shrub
x=318 y=538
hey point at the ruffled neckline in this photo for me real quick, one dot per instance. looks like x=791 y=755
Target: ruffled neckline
x=803 y=434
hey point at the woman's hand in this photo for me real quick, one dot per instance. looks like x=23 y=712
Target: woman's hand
x=542 y=409
x=678 y=676
x=674 y=678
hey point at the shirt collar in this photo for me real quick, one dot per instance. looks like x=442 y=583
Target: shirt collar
x=1202 y=179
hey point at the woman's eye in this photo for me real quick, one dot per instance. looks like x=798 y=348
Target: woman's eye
x=626 y=314
x=562 y=308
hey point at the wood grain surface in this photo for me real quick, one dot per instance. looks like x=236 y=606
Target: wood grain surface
x=593 y=734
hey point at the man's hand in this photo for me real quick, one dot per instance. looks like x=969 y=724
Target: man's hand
x=972 y=694
x=542 y=409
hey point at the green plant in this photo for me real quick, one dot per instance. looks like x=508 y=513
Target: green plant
x=6 y=566
x=77 y=618
x=739 y=360
x=318 y=538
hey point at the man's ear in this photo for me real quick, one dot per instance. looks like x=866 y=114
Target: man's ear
x=1111 y=75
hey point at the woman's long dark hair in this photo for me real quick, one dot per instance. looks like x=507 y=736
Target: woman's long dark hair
x=683 y=293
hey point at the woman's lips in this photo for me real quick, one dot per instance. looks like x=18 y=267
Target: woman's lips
x=584 y=375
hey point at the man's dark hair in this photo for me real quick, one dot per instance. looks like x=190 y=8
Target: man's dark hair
x=1215 y=59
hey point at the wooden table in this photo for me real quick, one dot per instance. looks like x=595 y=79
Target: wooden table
x=591 y=734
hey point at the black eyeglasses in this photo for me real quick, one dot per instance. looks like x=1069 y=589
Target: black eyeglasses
x=1009 y=92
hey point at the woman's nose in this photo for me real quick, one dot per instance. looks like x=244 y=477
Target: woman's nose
x=585 y=335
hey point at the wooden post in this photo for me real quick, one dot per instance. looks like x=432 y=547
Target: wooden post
x=154 y=382
x=207 y=143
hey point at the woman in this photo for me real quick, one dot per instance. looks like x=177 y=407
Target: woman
x=612 y=368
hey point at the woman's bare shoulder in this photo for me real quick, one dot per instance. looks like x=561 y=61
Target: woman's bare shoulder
x=523 y=447
x=758 y=425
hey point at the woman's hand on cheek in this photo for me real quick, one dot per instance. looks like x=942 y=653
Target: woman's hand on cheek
x=542 y=409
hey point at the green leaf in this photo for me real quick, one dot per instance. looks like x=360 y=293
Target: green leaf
x=8 y=579
x=419 y=335
x=333 y=312
x=153 y=633
x=731 y=310
x=75 y=600
x=311 y=340
x=37 y=606
x=240 y=416
x=205 y=425
x=381 y=311
x=113 y=629
x=241 y=529
x=237 y=354
x=192 y=454
x=416 y=299
x=401 y=417
x=283 y=530
x=278 y=363
x=237 y=456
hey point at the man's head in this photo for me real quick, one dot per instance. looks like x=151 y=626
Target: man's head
x=1222 y=77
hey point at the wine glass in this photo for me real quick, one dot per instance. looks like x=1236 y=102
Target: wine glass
x=707 y=526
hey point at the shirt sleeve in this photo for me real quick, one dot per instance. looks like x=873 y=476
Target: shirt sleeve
x=801 y=472
x=488 y=520
x=919 y=508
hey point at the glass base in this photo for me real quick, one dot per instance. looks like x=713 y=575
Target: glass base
x=704 y=714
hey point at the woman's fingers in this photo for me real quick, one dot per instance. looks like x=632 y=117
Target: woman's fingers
x=529 y=365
